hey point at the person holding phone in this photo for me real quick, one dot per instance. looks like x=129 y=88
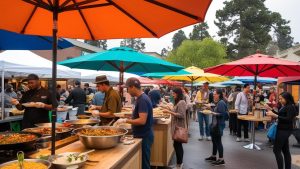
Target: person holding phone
x=286 y=123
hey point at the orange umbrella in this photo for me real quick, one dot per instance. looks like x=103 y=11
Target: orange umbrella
x=98 y=19
x=101 y=19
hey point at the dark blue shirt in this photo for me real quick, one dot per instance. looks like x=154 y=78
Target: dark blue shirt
x=143 y=105
x=155 y=97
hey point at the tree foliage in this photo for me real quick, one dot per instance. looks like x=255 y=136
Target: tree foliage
x=200 y=31
x=202 y=54
x=246 y=25
x=178 y=38
x=164 y=52
x=136 y=44
x=98 y=43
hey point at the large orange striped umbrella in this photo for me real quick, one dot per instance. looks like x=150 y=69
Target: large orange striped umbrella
x=98 y=19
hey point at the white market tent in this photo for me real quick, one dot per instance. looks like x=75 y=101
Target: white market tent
x=22 y=62
x=112 y=76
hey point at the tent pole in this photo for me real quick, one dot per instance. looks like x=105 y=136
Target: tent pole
x=2 y=96
x=54 y=72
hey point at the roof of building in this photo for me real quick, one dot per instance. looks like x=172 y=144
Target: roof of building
x=292 y=54
x=84 y=45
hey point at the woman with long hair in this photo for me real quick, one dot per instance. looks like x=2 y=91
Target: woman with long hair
x=217 y=126
x=286 y=123
x=178 y=119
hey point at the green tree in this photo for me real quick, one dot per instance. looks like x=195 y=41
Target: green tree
x=136 y=44
x=199 y=31
x=98 y=43
x=282 y=32
x=164 y=52
x=202 y=54
x=246 y=25
x=178 y=38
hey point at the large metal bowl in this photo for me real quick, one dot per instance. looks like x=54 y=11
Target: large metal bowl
x=48 y=125
x=82 y=122
x=47 y=163
x=101 y=142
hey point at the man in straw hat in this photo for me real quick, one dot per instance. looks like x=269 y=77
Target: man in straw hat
x=112 y=101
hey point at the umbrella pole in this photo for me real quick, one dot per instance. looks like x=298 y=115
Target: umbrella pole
x=121 y=80
x=2 y=96
x=254 y=91
x=192 y=86
x=54 y=60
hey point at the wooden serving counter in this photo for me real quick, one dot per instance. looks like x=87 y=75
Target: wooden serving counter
x=162 y=147
x=120 y=157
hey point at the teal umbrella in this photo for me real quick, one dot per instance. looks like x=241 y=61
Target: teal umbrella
x=162 y=74
x=122 y=59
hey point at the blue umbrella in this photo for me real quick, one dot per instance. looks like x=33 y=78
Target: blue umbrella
x=250 y=79
x=163 y=74
x=15 y=41
x=232 y=82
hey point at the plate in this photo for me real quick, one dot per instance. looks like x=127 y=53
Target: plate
x=206 y=112
x=30 y=104
x=122 y=114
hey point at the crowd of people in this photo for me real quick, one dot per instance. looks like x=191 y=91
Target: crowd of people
x=186 y=107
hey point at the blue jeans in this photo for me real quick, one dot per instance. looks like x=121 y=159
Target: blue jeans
x=146 y=151
x=203 y=118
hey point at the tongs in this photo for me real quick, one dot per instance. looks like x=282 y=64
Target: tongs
x=20 y=156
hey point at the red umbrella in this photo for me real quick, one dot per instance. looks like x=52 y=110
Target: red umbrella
x=257 y=65
x=144 y=80
x=161 y=82
x=175 y=83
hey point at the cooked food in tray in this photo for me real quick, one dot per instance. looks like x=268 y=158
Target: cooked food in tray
x=46 y=130
x=13 y=138
x=26 y=165
x=158 y=113
x=100 y=132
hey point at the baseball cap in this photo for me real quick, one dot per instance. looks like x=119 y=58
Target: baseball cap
x=133 y=82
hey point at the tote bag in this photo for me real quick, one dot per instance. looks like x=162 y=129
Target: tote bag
x=272 y=131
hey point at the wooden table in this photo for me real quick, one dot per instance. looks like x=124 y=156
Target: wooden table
x=233 y=111
x=120 y=157
x=162 y=147
x=253 y=119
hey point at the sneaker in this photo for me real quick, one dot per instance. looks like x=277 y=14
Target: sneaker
x=209 y=138
x=246 y=140
x=218 y=163
x=238 y=139
x=201 y=138
x=179 y=166
x=211 y=159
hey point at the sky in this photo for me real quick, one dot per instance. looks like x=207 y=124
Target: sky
x=287 y=8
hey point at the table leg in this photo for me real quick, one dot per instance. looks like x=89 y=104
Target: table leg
x=252 y=145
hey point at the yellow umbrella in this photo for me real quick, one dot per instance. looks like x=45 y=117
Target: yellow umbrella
x=196 y=75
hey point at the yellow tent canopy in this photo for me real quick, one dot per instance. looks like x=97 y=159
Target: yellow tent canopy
x=196 y=75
